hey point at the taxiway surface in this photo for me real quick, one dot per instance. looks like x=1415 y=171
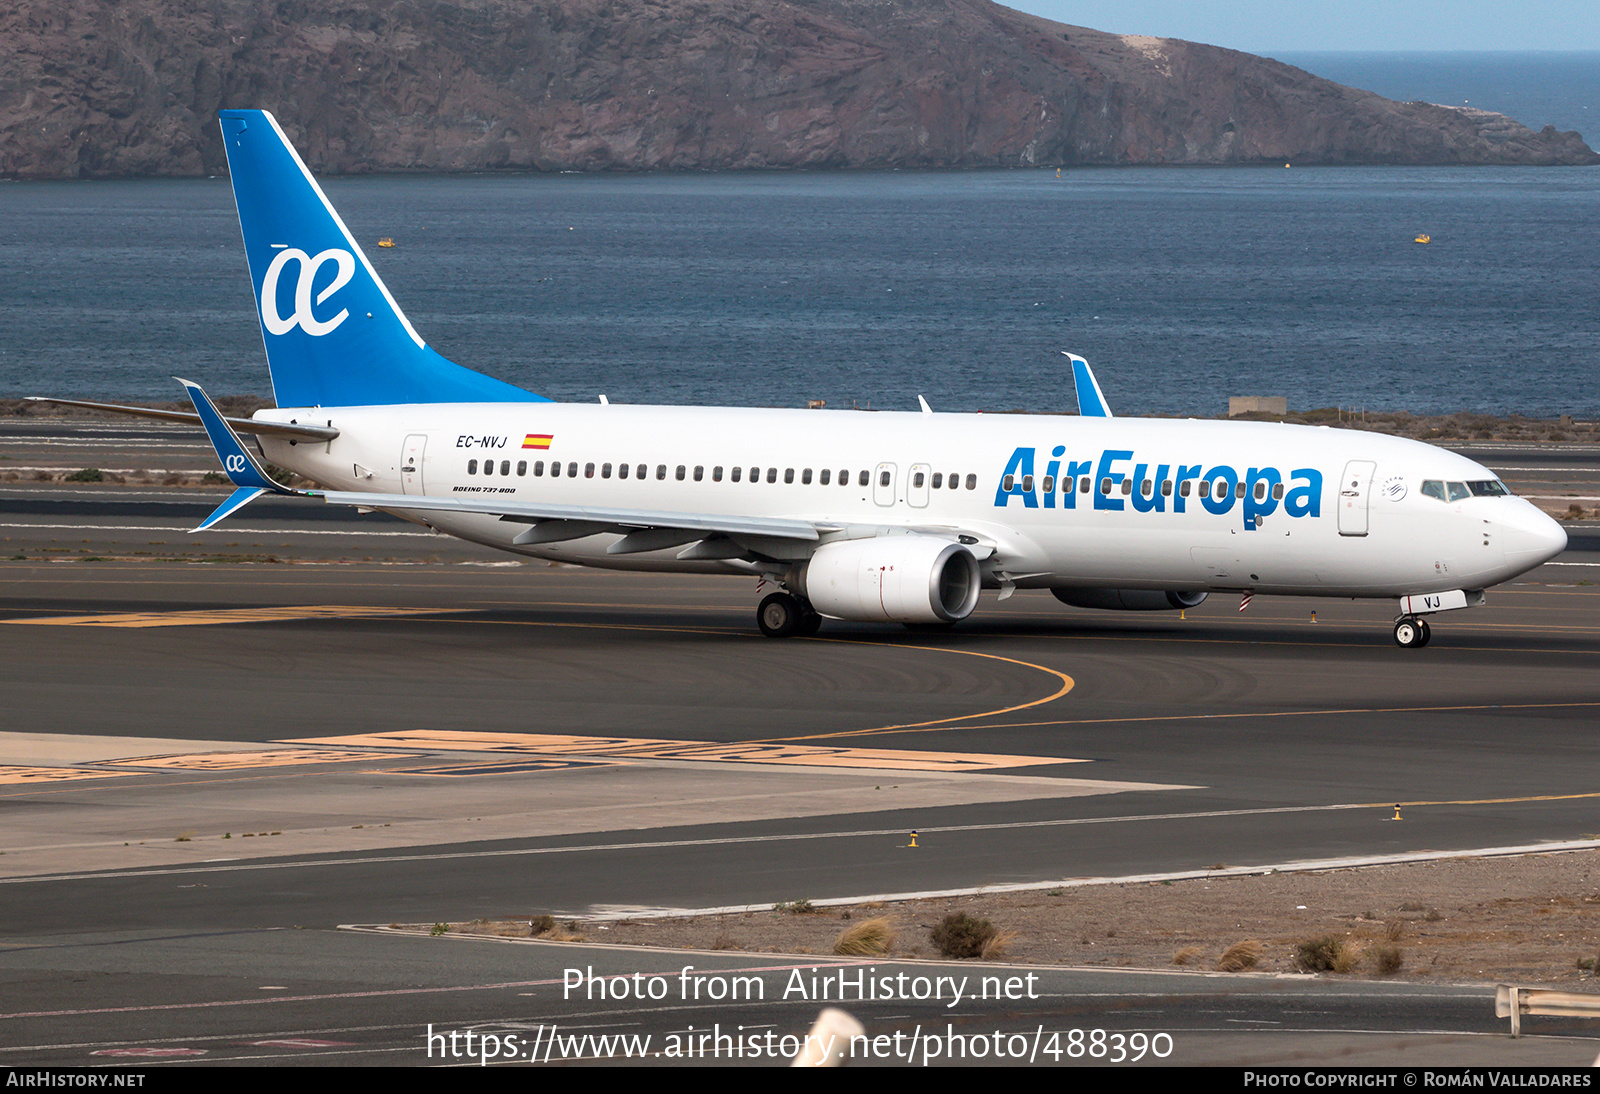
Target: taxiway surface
x=313 y=718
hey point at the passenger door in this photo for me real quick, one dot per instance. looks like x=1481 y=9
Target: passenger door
x=1355 y=490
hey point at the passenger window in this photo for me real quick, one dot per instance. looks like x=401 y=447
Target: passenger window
x=1238 y=491
x=823 y=476
x=622 y=470
x=642 y=471
x=1085 y=484
x=661 y=471
x=1009 y=483
x=1127 y=486
x=1184 y=488
x=1027 y=484
x=716 y=473
x=1105 y=486
x=865 y=478
x=938 y=480
x=883 y=478
x=488 y=467
x=1205 y=488
x=788 y=475
x=681 y=472
x=538 y=469
x=1047 y=484
x=955 y=482
x=588 y=470
x=472 y=467
x=555 y=470
x=699 y=472
x=972 y=482
x=736 y=475
x=522 y=469
x=1147 y=488
x=1166 y=488
x=572 y=470
x=772 y=475
x=1261 y=489
x=1277 y=491
x=755 y=474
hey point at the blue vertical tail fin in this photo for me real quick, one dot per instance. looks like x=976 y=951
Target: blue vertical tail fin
x=334 y=335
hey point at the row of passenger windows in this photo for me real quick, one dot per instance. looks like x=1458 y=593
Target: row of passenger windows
x=824 y=477
x=1147 y=488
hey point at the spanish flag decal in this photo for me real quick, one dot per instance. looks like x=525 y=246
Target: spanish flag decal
x=538 y=440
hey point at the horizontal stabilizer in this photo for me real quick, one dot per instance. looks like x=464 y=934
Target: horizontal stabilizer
x=236 y=500
x=241 y=467
x=243 y=425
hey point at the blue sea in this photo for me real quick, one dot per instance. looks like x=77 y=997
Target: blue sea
x=1181 y=286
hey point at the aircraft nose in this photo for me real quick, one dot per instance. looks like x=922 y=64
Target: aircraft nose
x=1531 y=537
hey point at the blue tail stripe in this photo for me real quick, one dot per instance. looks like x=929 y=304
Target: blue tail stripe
x=333 y=334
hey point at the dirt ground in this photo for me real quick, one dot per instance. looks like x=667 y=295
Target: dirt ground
x=1529 y=920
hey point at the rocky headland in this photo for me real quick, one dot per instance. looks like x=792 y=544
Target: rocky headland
x=99 y=89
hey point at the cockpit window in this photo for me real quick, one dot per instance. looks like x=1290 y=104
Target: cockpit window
x=1457 y=491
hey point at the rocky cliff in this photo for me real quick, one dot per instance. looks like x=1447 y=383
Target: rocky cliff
x=95 y=88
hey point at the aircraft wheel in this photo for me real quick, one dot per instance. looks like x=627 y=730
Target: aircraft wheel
x=1427 y=633
x=810 y=623
x=780 y=616
x=1408 y=633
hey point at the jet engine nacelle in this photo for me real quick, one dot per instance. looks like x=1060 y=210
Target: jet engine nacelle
x=895 y=579
x=1129 y=600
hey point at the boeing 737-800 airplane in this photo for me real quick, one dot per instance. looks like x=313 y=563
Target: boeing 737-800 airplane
x=883 y=517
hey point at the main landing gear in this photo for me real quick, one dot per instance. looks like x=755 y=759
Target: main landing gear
x=1411 y=632
x=784 y=615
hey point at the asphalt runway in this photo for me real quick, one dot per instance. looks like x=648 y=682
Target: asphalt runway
x=311 y=718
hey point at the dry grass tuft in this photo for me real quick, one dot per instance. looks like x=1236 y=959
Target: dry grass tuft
x=996 y=947
x=868 y=938
x=1241 y=955
x=1328 y=954
x=1387 y=959
x=1186 y=955
x=1348 y=957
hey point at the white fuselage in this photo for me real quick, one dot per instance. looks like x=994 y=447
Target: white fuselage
x=1287 y=509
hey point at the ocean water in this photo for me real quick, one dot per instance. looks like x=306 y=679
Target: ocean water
x=1181 y=286
x=1537 y=89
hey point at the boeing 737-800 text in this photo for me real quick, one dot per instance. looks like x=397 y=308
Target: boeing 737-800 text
x=884 y=517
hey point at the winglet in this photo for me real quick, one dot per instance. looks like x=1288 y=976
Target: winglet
x=248 y=475
x=1091 y=402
